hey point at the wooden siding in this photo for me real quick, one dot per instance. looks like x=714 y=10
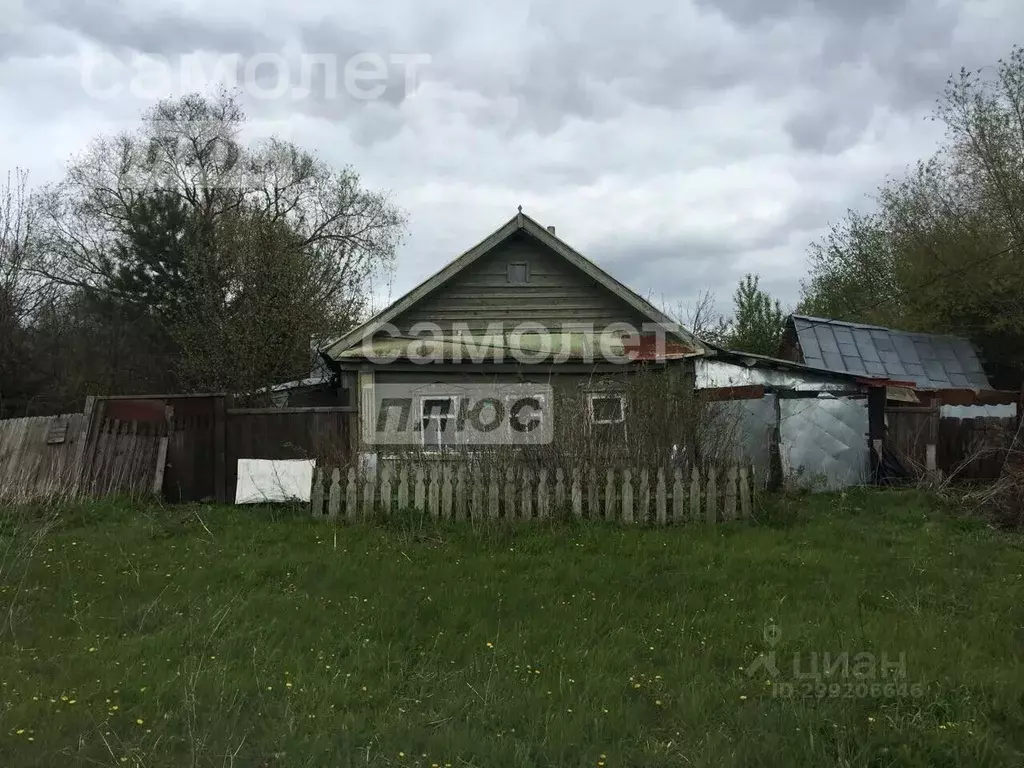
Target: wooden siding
x=556 y=294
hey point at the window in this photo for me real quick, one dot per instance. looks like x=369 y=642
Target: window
x=608 y=416
x=437 y=415
x=518 y=272
x=531 y=416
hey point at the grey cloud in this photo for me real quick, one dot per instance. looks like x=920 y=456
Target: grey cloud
x=114 y=25
x=760 y=11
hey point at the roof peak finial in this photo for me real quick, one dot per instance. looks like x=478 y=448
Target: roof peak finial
x=520 y=209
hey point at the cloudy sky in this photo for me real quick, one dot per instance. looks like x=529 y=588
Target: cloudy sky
x=678 y=143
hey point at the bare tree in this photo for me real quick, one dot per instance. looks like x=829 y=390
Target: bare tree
x=20 y=291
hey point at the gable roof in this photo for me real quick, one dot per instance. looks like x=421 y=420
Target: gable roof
x=930 y=361
x=518 y=223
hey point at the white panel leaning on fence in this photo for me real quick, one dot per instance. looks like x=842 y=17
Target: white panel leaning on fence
x=461 y=493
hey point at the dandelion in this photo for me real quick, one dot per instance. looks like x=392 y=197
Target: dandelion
x=288 y=685
x=139 y=721
x=401 y=754
x=92 y=650
x=871 y=719
x=490 y=645
x=19 y=731
x=743 y=698
x=72 y=701
x=658 y=702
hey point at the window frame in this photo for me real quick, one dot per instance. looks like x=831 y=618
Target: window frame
x=526 y=272
x=452 y=414
x=592 y=421
x=508 y=411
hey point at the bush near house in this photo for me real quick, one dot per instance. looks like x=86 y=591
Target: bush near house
x=206 y=635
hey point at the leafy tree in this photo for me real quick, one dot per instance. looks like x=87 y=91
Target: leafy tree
x=223 y=258
x=757 y=321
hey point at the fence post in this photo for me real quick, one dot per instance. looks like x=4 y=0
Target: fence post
x=593 y=495
x=446 y=492
x=712 y=495
x=542 y=495
x=659 y=498
x=643 y=513
x=695 y=494
x=461 y=493
x=369 y=492
x=83 y=457
x=678 y=515
x=351 y=513
x=527 y=500
x=385 y=490
x=627 y=496
x=334 y=497
x=492 y=495
x=510 y=495
x=316 y=493
x=609 y=496
x=559 y=489
x=730 y=495
x=577 y=494
x=433 y=493
x=476 y=510
x=403 y=488
x=418 y=491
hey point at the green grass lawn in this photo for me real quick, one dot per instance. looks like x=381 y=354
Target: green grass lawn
x=252 y=637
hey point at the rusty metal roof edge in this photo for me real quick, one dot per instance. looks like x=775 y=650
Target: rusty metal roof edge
x=756 y=360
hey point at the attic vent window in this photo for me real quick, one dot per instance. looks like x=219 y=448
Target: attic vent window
x=518 y=272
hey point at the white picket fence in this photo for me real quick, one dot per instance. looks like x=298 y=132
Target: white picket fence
x=461 y=493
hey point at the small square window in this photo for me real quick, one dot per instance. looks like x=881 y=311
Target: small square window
x=608 y=417
x=606 y=409
x=518 y=272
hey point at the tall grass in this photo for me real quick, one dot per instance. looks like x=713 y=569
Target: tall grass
x=214 y=636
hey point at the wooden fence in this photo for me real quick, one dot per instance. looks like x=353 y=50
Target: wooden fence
x=326 y=434
x=180 y=447
x=39 y=456
x=204 y=439
x=927 y=443
x=974 y=449
x=636 y=497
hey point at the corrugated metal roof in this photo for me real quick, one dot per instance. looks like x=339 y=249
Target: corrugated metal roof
x=930 y=361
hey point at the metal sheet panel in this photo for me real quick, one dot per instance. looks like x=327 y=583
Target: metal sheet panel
x=824 y=442
x=747 y=427
x=711 y=374
x=1007 y=411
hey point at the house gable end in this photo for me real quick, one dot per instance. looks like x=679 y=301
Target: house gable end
x=520 y=281
x=558 y=267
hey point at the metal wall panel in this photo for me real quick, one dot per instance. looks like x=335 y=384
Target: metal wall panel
x=825 y=442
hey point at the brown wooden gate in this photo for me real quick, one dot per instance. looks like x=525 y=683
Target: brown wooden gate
x=910 y=431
